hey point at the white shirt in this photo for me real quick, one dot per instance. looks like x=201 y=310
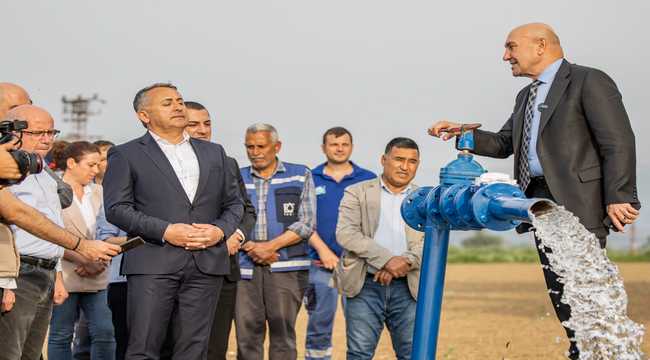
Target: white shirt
x=39 y=192
x=184 y=162
x=86 y=207
x=391 y=231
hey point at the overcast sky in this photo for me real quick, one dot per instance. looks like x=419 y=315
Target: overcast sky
x=380 y=68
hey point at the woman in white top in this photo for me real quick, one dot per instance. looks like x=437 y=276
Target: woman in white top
x=85 y=281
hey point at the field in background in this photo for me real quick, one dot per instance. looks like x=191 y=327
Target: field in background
x=500 y=311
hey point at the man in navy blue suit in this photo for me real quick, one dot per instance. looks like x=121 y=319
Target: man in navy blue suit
x=176 y=193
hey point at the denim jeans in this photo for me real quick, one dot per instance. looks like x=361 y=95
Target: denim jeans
x=374 y=306
x=23 y=329
x=320 y=302
x=100 y=326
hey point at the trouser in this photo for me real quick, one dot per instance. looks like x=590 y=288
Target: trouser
x=374 y=306
x=100 y=327
x=183 y=302
x=539 y=189
x=117 y=293
x=23 y=329
x=222 y=324
x=273 y=298
x=320 y=302
x=81 y=343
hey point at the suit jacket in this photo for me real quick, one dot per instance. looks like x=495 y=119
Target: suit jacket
x=585 y=144
x=74 y=222
x=142 y=196
x=357 y=223
x=247 y=221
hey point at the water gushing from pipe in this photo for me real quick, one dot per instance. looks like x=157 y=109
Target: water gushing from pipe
x=593 y=287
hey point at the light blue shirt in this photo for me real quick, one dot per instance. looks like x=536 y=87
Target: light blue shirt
x=107 y=230
x=39 y=192
x=546 y=78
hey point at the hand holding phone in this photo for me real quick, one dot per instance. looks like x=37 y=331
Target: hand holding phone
x=132 y=243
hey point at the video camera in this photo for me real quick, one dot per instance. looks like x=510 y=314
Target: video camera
x=27 y=163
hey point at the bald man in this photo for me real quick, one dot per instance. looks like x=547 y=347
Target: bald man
x=571 y=139
x=12 y=95
x=23 y=329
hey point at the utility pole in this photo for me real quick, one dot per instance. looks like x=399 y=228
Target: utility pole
x=77 y=111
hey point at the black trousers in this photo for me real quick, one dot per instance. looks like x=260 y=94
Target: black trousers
x=539 y=189
x=183 y=302
x=222 y=324
x=117 y=303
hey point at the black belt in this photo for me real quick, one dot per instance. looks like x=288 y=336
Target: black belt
x=48 y=264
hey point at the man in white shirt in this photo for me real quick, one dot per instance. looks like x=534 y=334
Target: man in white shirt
x=23 y=330
x=380 y=267
x=176 y=193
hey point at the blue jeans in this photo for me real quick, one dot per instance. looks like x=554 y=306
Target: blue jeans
x=320 y=301
x=374 y=306
x=100 y=326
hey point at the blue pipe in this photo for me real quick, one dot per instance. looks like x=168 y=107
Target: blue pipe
x=432 y=283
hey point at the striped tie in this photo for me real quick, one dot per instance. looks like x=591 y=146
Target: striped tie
x=524 y=166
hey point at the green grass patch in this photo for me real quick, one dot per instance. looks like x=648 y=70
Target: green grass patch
x=525 y=255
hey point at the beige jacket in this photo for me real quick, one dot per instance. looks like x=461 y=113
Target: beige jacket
x=9 y=258
x=74 y=223
x=358 y=220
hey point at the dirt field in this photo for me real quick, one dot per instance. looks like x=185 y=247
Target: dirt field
x=500 y=311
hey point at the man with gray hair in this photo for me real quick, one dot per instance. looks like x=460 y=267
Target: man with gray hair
x=275 y=260
x=171 y=190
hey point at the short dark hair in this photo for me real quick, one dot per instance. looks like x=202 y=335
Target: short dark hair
x=103 y=144
x=76 y=151
x=193 y=105
x=402 y=143
x=141 y=95
x=337 y=131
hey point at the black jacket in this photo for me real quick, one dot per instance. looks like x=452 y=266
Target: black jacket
x=142 y=196
x=585 y=144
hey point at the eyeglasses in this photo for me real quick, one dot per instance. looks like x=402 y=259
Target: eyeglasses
x=40 y=133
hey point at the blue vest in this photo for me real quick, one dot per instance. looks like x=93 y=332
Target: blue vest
x=282 y=203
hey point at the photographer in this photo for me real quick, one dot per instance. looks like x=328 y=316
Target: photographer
x=22 y=331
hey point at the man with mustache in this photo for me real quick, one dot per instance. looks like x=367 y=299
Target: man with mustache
x=379 y=270
x=571 y=139
x=275 y=260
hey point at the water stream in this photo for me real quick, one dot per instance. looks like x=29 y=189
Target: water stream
x=593 y=288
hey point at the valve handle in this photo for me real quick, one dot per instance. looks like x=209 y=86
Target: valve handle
x=462 y=129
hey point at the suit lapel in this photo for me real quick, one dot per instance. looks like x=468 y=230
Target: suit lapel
x=518 y=122
x=204 y=166
x=76 y=219
x=373 y=204
x=554 y=96
x=151 y=148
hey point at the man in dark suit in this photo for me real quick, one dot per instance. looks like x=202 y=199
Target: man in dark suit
x=199 y=126
x=571 y=139
x=178 y=194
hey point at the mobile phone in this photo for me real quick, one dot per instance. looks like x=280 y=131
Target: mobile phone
x=132 y=243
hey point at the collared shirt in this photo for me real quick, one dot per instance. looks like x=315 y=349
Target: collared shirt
x=107 y=230
x=306 y=212
x=329 y=194
x=39 y=192
x=546 y=79
x=184 y=162
x=85 y=206
x=391 y=231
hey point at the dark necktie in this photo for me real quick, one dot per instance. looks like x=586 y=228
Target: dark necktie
x=524 y=166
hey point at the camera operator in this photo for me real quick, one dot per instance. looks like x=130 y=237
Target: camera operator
x=23 y=330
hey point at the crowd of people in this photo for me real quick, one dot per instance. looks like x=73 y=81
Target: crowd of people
x=250 y=245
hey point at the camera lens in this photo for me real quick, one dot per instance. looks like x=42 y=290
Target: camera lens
x=28 y=163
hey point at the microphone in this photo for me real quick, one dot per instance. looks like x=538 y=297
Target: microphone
x=541 y=107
